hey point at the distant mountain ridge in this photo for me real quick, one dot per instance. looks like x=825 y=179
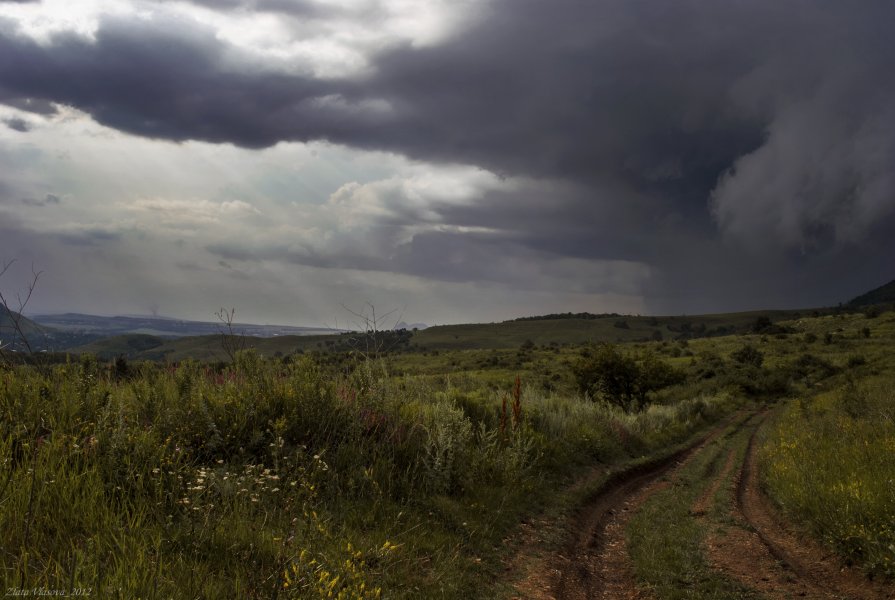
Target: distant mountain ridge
x=164 y=327
x=884 y=294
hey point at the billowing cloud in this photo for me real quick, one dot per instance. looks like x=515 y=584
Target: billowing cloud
x=824 y=176
x=741 y=152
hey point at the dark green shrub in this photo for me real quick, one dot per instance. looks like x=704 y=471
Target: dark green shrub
x=709 y=366
x=810 y=367
x=748 y=355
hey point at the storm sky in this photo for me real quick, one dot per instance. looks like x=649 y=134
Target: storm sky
x=456 y=160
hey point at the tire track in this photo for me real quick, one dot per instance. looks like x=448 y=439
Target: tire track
x=749 y=543
x=728 y=545
x=765 y=555
x=597 y=564
x=704 y=502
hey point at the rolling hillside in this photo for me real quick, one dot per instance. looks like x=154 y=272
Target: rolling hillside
x=7 y=327
x=884 y=294
x=509 y=334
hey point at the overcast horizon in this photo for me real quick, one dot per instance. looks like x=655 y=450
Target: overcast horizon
x=452 y=160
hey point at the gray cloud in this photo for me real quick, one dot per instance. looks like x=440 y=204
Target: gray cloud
x=89 y=236
x=31 y=105
x=166 y=80
x=48 y=200
x=304 y=9
x=717 y=143
x=664 y=97
x=17 y=124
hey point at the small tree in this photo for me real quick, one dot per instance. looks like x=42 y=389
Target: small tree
x=622 y=379
x=232 y=342
x=608 y=374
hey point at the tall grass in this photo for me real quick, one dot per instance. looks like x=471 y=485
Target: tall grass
x=830 y=463
x=278 y=479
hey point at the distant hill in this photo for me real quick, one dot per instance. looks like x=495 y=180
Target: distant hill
x=130 y=345
x=200 y=347
x=549 y=330
x=884 y=294
x=7 y=324
x=164 y=327
x=10 y=337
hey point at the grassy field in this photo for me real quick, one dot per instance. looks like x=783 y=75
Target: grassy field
x=337 y=474
x=267 y=478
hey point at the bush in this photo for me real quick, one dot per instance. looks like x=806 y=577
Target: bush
x=609 y=374
x=811 y=368
x=748 y=355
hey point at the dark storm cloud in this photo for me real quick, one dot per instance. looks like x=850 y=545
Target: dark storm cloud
x=665 y=95
x=577 y=90
x=661 y=127
x=166 y=80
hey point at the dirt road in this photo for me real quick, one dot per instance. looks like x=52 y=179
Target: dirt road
x=744 y=543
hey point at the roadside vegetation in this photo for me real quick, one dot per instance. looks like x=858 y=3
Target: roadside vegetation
x=830 y=464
